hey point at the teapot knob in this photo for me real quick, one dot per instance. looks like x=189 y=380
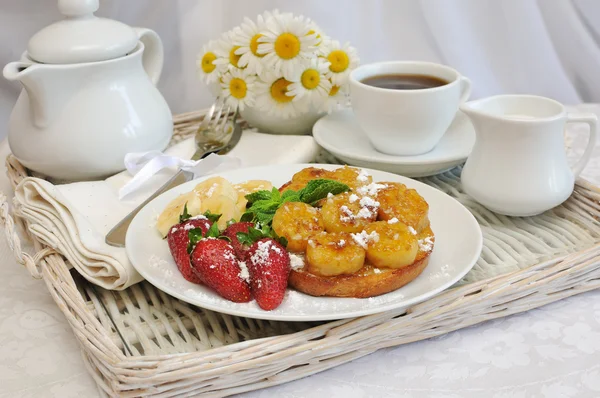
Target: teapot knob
x=78 y=8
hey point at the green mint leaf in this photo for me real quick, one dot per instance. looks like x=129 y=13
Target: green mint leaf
x=195 y=235
x=213 y=231
x=247 y=217
x=290 y=196
x=264 y=206
x=258 y=195
x=283 y=241
x=264 y=218
x=212 y=217
x=275 y=195
x=185 y=215
x=244 y=238
x=318 y=189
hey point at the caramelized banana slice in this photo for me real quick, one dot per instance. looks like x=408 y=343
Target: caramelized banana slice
x=348 y=212
x=351 y=176
x=301 y=178
x=297 y=221
x=335 y=253
x=406 y=205
x=395 y=247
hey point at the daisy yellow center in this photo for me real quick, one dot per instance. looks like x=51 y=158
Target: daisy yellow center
x=207 y=62
x=279 y=89
x=254 y=45
x=233 y=57
x=238 y=88
x=310 y=79
x=334 y=90
x=287 y=46
x=339 y=61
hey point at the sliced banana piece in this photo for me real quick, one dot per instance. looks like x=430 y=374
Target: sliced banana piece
x=216 y=186
x=223 y=205
x=393 y=245
x=170 y=215
x=249 y=187
x=334 y=253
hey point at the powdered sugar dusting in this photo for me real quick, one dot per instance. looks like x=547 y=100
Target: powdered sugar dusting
x=368 y=201
x=426 y=244
x=296 y=261
x=394 y=221
x=244 y=273
x=412 y=230
x=353 y=198
x=198 y=217
x=229 y=256
x=187 y=227
x=363 y=176
x=363 y=239
x=372 y=189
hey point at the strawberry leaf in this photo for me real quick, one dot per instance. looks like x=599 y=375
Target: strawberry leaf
x=247 y=217
x=195 y=235
x=213 y=231
x=212 y=217
x=244 y=238
x=185 y=215
x=232 y=221
x=283 y=241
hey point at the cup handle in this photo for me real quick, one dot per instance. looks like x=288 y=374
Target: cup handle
x=592 y=121
x=465 y=89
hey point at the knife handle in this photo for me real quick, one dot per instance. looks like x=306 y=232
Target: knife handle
x=116 y=236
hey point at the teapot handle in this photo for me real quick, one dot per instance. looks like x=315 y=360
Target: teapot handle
x=153 y=56
x=592 y=121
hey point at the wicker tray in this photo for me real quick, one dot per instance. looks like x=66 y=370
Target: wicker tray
x=142 y=342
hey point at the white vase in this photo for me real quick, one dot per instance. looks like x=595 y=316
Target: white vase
x=273 y=124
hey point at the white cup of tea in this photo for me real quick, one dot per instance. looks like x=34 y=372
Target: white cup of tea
x=405 y=107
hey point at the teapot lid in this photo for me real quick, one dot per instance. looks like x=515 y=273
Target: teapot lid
x=81 y=36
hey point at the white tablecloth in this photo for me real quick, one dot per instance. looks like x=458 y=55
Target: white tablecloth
x=548 y=352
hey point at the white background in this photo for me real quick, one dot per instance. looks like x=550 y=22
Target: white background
x=546 y=47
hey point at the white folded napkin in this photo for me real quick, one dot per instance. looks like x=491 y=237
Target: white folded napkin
x=74 y=218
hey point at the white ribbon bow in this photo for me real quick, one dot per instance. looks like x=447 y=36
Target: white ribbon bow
x=143 y=165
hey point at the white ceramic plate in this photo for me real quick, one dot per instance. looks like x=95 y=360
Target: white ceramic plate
x=458 y=243
x=340 y=134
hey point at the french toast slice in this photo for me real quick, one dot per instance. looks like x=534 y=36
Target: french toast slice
x=369 y=281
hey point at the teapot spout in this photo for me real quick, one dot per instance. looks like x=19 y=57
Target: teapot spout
x=39 y=87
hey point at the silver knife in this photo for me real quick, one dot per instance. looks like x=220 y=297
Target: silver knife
x=116 y=236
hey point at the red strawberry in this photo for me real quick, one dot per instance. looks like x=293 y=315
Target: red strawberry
x=178 y=240
x=232 y=231
x=269 y=268
x=215 y=263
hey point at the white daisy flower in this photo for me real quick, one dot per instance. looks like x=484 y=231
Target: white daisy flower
x=313 y=86
x=209 y=70
x=272 y=97
x=286 y=45
x=226 y=51
x=337 y=98
x=343 y=59
x=238 y=88
x=246 y=39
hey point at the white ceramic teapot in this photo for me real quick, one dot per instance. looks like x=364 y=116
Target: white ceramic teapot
x=89 y=96
x=518 y=166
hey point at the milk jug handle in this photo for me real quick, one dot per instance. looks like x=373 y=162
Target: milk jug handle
x=592 y=121
x=153 y=56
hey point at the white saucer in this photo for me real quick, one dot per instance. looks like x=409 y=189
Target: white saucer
x=340 y=134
